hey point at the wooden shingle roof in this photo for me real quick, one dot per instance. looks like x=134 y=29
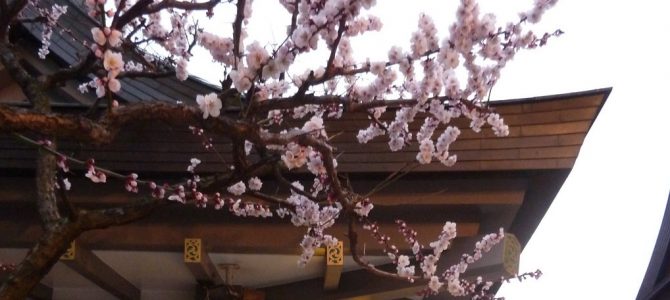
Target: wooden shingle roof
x=67 y=47
x=545 y=133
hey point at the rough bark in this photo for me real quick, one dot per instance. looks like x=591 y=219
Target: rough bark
x=39 y=261
x=45 y=181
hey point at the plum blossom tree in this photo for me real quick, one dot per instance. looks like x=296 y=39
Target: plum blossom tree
x=434 y=81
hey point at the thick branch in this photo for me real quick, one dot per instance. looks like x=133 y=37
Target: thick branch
x=45 y=181
x=327 y=158
x=72 y=72
x=185 y=5
x=326 y=100
x=237 y=29
x=29 y=85
x=306 y=139
x=103 y=218
x=133 y=12
x=333 y=50
x=86 y=130
x=143 y=74
x=39 y=260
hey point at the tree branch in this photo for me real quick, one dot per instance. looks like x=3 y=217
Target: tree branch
x=103 y=218
x=143 y=74
x=287 y=184
x=269 y=198
x=346 y=102
x=133 y=12
x=40 y=259
x=333 y=50
x=185 y=5
x=85 y=130
x=78 y=69
x=237 y=29
x=29 y=85
x=45 y=180
x=353 y=243
x=73 y=214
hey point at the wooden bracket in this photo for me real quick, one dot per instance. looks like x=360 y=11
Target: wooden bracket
x=334 y=264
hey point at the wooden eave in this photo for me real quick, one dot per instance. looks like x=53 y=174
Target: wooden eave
x=498 y=182
x=545 y=133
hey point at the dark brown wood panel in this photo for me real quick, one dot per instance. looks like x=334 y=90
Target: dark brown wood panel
x=268 y=238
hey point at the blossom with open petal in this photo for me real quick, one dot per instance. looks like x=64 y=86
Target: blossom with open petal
x=114 y=38
x=210 y=105
x=113 y=62
x=255 y=184
x=98 y=36
x=237 y=189
x=114 y=85
x=435 y=284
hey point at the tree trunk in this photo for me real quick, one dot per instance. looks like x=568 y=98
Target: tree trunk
x=40 y=260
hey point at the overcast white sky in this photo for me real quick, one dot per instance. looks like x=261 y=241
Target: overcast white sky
x=596 y=239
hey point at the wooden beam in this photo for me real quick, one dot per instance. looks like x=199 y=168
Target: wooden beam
x=166 y=229
x=223 y=237
x=334 y=264
x=359 y=284
x=40 y=292
x=89 y=265
x=204 y=272
x=198 y=262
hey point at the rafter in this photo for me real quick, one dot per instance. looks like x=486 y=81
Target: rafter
x=89 y=265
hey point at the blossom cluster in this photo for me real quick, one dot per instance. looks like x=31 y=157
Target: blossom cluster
x=316 y=218
x=460 y=287
x=48 y=27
